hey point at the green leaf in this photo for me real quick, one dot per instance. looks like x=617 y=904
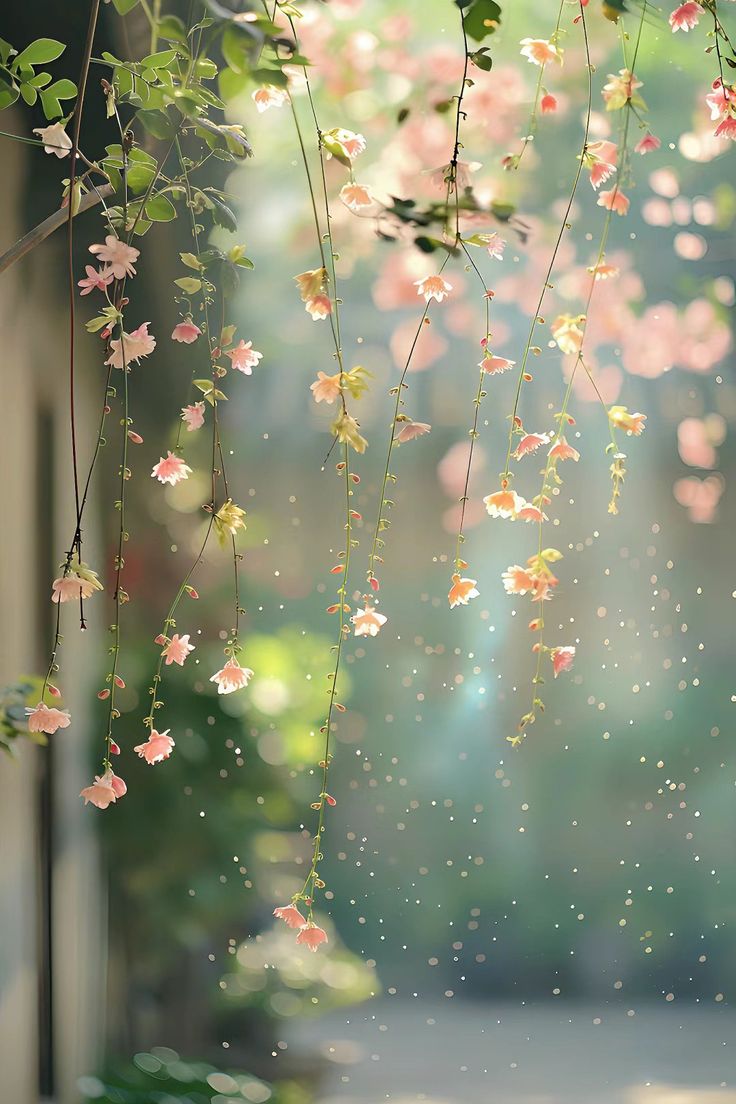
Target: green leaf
x=6 y=51
x=140 y=177
x=237 y=47
x=482 y=59
x=205 y=69
x=39 y=52
x=172 y=28
x=222 y=214
x=481 y=19
x=188 y=284
x=29 y=94
x=232 y=84
x=190 y=261
x=157 y=123
x=159 y=60
x=160 y=209
x=122 y=7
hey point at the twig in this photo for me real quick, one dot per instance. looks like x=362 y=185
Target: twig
x=44 y=229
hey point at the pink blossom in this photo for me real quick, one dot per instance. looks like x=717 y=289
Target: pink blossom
x=601 y=158
x=503 y=504
x=726 y=128
x=495 y=365
x=47 y=719
x=95 y=280
x=119 y=256
x=433 y=287
x=186 y=332
x=232 y=677
x=104 y=791
x=356 y=197
x=548 y=103
x=647 y=144
x=326 y=388
x=562 y=451
x=312 y=936
x=156 y=748
x=718 y=100
x=171 y=470
x=461 y=591
x=353 y=144
x=269 y=96
x=563 y=658
x=291 y=915
x=193 y=416
x=131 y=347
x=685 y=17
x=368 y=622
x=530 y=442
x=80 y=581
x=177 y=649
x=539 y=51
x=411 y=430
x=495 y=245
x=116 y=781
x=530 y=513
x=319 y=306
x=244 y=357
x=614 y=200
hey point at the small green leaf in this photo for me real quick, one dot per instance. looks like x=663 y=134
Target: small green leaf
x=190 y=261
x=160 y=209
x=159 y=60
x=40 y=52
x=29 y=94
x=188 y=284
x=172 y=28
x=482 y=19
x=122 y=7
x=157 y=123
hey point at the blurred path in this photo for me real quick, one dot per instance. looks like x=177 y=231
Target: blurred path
x=462 y=1052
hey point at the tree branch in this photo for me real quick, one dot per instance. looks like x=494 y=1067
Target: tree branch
x=59 y=218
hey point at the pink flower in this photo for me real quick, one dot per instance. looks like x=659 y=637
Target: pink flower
x=177 y=649
x=410 y=430
x=718 y=100
x=562 y=451
x=310 y=283
x=495 y=245
x=726 y=128
x=244 y=357
x=193 y=416
x=568 y=331
x=96 y=279
x=156 y=748
x=530 y=513
x=186 y=332
x=104 y=791
x=518 y=580
x=326 y=388
x=433 y=287
x=503 y=504
x=563 y=658
x=601 y=158
x=461 y=591
x=530 y=442
x=131 y=347
x=46 y=719
x=495 y=365
x=171 y=470
x=80 y=581
x=312 y=936
x=232 y=677
x=647 y=144
x=291 y=915
x=548 y=103
x=614 y=200
x=269 y=96
x=620 y=417
x=368 y=622
x=55 y=139
x=539 y=51
x=685 y=17
x=115 y=781
x=319 y=306
x=356 y=197
x=119 y=256
x=350 y=143
x=621 y=88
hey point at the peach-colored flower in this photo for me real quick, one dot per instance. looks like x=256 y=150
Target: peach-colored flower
x=310 y=283
x=356 y=197
x=719 y=99
x=312 y=936
x=604 y=271
x=600 y=158
x=530 y=513
x=503 y=504
x=518 y=580
x=621 y=88
x=171 y=470
x=119 y=256
x=530 y=442
x=561 y=450
x=647 y=144
x=548 y=103
x=177 y=649
x=232 y=677
x=410 y=430
x=614 y=200
x=115 y=780
x=495 y=365
x=193 y=416
x=685 y=17
x=350 y=143
x=131 y=347
x=326 y=388
x=46 y=719
x=291 y=915
x=55 y=139
x=268 y=95
x=539 y=51
x=461 y=591
x=156 y=748
x=104 y=791
x=368 y=622
x=433 y=287
x=726 y=128
x=495 y=245
x=568 y=332
x=244 y=357
x=186 y=332
x=562 y=658
x=622 y=419
x=319 y=306
x=96 y=279
x=80 y=581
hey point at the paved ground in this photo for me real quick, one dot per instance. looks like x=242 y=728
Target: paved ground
x=465 y=1053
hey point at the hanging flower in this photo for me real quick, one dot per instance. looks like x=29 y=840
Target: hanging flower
x=461 y=591
x=79 y=581
x=291 y=915
x=562 y=658
x=177 y=649
x=186 y=332
x=119 y=256
x=347 y=431
x=244 y=357
x=343 y=143
x=530 y=442
x=410 y=430
x=232 y=677
x=561 y=450
x=621 y=89
x=614 y=200
x=718 y=100
x=528 y=512
x=157 y=747
x=319 y=307
x=495 y=365
x=433 y=287
x=229 y=520
x=95 y=280
x=685 y=17
x=647 y=144
x=503 y=504
x=47 y=719
x=356 y=197
x=600 y=159
x=312 y=936
x=193 y=416
x=105 y=790
x=131 y=347
x=368 y=622
x=622 y=419
x=311 y=283
x=55 y=139
x=268 y=95
x=326 y=388
x=548 y=103
x=539 y=51
x=568 y=332
x=171 y=470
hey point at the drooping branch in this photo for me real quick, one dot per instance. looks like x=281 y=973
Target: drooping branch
x=46 y=228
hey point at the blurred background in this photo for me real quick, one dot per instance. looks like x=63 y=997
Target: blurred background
x=553 y=924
